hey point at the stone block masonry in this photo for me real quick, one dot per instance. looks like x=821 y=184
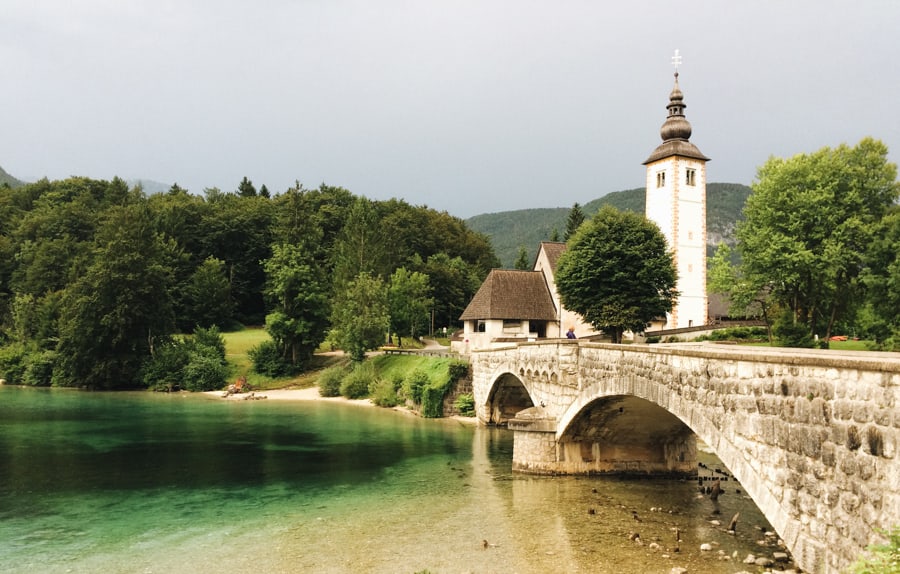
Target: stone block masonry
x=811 y=435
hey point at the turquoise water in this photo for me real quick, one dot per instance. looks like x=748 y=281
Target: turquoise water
x=144 y=483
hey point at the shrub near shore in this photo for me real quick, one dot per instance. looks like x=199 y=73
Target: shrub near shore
x=422 y=382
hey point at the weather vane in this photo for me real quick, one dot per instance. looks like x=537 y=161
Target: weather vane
x=676 y=60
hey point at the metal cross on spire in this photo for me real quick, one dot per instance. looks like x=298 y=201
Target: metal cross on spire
x=676 y=60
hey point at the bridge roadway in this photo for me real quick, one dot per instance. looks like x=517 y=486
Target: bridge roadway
x=811 y=435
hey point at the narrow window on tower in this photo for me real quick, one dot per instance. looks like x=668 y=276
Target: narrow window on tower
x=660 y=179
x=691 y=176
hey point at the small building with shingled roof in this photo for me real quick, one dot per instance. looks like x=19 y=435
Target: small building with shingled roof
x=513 y=305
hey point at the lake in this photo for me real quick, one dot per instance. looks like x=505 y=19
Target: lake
x=156 y=483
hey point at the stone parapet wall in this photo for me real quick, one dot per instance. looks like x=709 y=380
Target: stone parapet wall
x=811 y=435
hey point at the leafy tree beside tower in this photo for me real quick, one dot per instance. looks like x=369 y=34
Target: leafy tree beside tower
x=617 y=273
x=809 y=224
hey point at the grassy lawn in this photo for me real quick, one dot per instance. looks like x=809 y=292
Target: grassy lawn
x=848 y=345
x=832 y=345
x=237 y=347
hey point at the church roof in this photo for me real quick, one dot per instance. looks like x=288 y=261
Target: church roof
x=669 y=148
x=511 y=294
x=676 y=131
x=553 y=249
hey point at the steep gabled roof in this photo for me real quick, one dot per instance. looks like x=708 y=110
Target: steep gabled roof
x=553 y=249
x=509 y=294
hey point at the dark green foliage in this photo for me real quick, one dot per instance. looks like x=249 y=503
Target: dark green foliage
x=238 y=231
x=410 y=301
x=208 y=341
x=298 y=298
x=523 y=263
x=458 y=370
x=745 y=334
x=193 y=364
x=882 y=281
x=453 y=283
x=384 y=393
x=246 y=188
x=434 y=392
x=164 y=371
x=361 y=246
x=360 y=317
x=789 y=333
x=356 y=384
x=413 y=385
x=103 y=275
x=617 y=273
x=13 y=362
x=204 y=372
x=209 y=295
x=465 y=404
x=329 y=381
x=111 y=315
x=433 y=399
x=268 y=360
x=39 y=369
x=573 y=221
x=810 y=222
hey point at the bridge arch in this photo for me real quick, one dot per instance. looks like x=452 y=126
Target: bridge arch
x=625 y=434
x=508 y=395
x=813 y=436
x=679 y=453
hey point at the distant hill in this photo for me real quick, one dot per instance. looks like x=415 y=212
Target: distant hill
x=509 y=230
x=149 y=186
x=5 y=178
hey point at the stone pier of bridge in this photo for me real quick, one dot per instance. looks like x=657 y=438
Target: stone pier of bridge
x=812 y=436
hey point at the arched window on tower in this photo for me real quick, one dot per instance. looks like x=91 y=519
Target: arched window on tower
x=660 y=179
x=691 y=177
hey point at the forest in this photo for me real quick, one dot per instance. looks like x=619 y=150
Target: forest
x=98 y=280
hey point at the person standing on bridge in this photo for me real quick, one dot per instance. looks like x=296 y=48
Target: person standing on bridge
x=571 y=333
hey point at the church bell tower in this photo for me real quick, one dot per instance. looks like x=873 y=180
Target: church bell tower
x=676 y=202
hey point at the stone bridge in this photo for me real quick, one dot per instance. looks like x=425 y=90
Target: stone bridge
x=812 y=436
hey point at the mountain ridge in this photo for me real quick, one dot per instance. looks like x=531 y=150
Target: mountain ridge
x=510 y=230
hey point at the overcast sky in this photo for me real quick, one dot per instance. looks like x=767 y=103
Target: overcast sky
x=469 y=106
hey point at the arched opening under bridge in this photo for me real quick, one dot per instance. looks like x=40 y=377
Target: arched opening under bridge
x=623 y=434
x=507 y=398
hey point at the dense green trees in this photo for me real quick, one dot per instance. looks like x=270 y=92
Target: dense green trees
x=298 y=297
x=409 y=297
x=361 y=317
x=617 y=272
x=96 y=279
x=812 y=227
x=522 y=261
x=114 y=313
x=573 y=221
x=882 y=280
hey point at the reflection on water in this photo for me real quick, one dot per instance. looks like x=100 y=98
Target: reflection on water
x=127 y=482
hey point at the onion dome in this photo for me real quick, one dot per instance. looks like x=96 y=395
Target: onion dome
x=676 y=131
x=676 y=127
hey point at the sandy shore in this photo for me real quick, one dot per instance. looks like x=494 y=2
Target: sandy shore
x=307 y=394
x=312 y=394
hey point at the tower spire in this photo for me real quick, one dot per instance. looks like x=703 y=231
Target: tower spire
x=676 y=130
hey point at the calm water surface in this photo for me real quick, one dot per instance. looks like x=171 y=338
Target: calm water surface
x=152 y=483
